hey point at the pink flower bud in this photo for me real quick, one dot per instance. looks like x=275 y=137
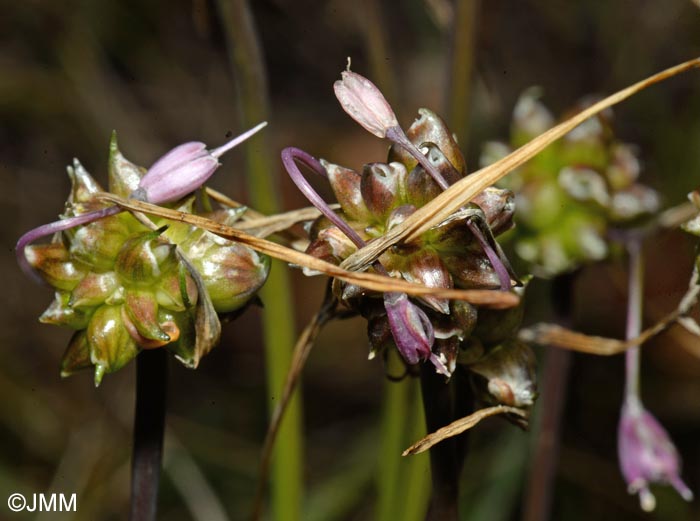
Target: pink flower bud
x=365 y=103
x=412 y=331
x=184 y=169
x=647 y=454
x=410 y=327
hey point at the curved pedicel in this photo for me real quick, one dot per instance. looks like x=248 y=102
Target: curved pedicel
x=410 y=326
x=51 y=228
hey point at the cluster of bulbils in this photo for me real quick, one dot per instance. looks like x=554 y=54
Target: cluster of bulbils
x=568 y=198
x=125 y=287
x=459 y=252
x=571 y=193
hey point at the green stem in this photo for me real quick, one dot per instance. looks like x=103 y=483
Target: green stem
x=393 y=428
x=278 y=323
x=287 y=457
x=416 y=491
x=462 y=62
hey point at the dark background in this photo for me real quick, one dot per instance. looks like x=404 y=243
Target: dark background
x=158 y=73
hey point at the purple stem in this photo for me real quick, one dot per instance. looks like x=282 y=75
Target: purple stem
x=634 y=317
x=289 y=157
x=50 y=229
x=149 y=427
x=397 y=135
x=408 y=334
x=499 y=268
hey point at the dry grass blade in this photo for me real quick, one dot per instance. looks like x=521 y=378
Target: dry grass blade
x=557 y=336
x=371 y=281
x=227 y=201
x=464 y=190
x=266 y=226
x=459 y=426
x=676 y=215
x=300 y=354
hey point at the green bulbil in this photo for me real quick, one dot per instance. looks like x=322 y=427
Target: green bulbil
x=568 y=196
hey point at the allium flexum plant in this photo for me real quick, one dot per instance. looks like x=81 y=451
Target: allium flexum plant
x=412 y=247
x=126 y=284
x=459 y=252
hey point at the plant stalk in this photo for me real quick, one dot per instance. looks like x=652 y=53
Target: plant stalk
x=149 y=425
x=391 y=440
x=247 y=64
x=634 y=317
x=445 y=463
x=555 y=378
x=461 y=65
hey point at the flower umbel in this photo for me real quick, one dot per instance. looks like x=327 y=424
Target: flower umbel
x=124 y=286
x=459 y=252
x=571 y=194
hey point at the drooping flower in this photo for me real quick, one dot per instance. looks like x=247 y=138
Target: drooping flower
x=365 y=103
x=647 y=454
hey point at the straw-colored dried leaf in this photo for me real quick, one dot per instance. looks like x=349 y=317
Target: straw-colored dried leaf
x=461 y=425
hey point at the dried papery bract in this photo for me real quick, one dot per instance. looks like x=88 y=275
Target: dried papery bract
x=462 y=191
x=371 y=281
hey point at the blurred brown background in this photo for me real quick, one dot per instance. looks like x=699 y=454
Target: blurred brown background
x=158 y=73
